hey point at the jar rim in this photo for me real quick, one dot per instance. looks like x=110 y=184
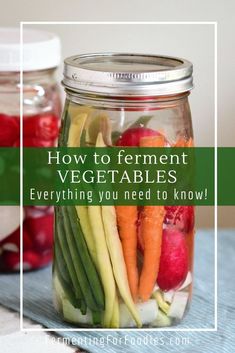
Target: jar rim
x=127 y=74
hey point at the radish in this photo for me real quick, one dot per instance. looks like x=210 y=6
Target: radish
x=11 y=260
x=174 y=265
x=10 y=130
x=180 y=217
x=41 y=127
x=12 y=242
x=41 y=231
x=131 y=137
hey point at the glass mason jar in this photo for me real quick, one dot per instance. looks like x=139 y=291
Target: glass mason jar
x=103 y=275
x=41 y=112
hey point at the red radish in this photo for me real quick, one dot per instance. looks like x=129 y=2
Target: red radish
x=181 y=217
x=41 y=127
x=44 y=209
x=174 y=260
x=49 y=210
x=37 y=211
x=35 y=142
x=11 y=260
x=31 y=260
x=9 y=131
x=12 y=242
x=41 y=231
x=132 y=136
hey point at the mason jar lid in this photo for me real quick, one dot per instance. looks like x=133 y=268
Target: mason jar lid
x=41 y=50
x=121 y=74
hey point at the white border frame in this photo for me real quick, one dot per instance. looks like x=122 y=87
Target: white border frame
x=215 y=25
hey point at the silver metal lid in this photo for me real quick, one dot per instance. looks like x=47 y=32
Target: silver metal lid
x=121 y=74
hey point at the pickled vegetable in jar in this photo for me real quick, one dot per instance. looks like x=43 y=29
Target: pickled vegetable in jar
x=41 y=112
x=125 y=266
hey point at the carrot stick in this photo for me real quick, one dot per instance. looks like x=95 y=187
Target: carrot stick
x=127 y=226
x=190 y=143
x=180 y=142
x=152 y=141
x=151 y=227
x=184 y=143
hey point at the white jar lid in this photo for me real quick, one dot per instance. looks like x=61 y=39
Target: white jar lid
x=41 y=50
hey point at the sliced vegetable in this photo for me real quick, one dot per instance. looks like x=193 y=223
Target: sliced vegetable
x=187 y=282
x=178 y=305
x=148 y=312
x=168 y=296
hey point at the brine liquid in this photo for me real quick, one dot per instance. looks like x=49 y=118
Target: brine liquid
x=153 y=244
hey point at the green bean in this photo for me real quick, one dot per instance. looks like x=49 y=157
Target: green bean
x=67 y=289
x=89 y=266
x=79 y=268
x=68 y=260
